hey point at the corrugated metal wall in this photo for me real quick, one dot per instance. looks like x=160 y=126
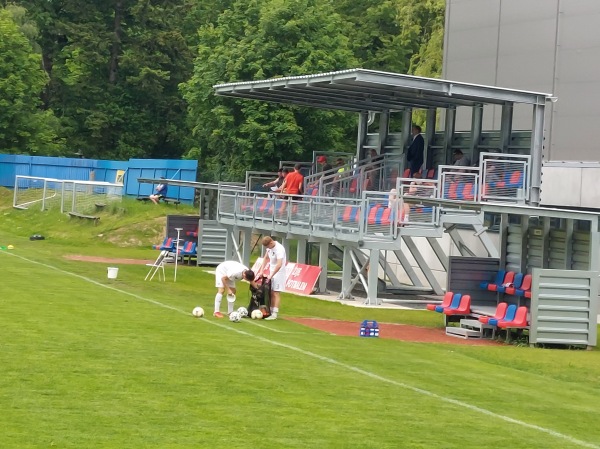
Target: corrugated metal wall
x=564 y=307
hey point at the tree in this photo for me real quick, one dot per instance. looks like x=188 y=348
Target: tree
x=115 y=67
x=258 y=39
x=24 y=127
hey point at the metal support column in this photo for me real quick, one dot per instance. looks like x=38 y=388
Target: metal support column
x=503 y=239
x=449 y=124
x=373 y=278
x=410 y=272
x=406 y=132
x=537 y=150
x=524 y=239
x=429 y=135
x=323 y=260
x=301 y=251
x=363 y=124
x=346 y=274
x=506 y=126
x=384 y=123
x=594 y=244
x=476 y=123
x=247 y=248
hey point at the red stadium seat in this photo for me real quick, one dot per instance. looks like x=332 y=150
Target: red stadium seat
x=500 y=312
x=445 y=302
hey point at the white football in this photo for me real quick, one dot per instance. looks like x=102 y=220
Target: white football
x=256 y=314
x=235 y=317
x=243 y=312
x=198 y=312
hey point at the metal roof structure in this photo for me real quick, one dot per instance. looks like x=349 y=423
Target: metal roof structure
x=359 y=90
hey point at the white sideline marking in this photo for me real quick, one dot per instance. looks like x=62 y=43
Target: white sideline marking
x=331 y=361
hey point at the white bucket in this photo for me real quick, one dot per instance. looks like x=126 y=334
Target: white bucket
x=112 y=272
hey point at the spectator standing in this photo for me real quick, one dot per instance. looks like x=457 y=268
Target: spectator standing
x=159 y=193
x=294 y=182
x=322 y=161
x=414 y=155
x=226 y=274
x=276 y=257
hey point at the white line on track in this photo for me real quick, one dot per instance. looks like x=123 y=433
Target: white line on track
x=331 y=361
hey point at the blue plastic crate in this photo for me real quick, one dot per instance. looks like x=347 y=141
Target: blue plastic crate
x=369 y=328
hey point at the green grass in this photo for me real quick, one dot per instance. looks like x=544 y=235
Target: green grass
x=88 y=362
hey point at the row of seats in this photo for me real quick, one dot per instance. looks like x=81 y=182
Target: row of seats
x=189 y=247
x=512 y=179
x=507 y=316
x=453 y=304
x=511 y=283
x=458 y=190
x=429 y=174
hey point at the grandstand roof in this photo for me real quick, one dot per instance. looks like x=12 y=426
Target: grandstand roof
x=369 y=90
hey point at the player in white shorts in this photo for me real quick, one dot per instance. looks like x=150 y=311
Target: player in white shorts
x=226 y=275
x=277 y=259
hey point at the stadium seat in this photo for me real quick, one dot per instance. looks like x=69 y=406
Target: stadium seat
x=372 y=214
x=511 y=289
x=497 y=281
x=519 y=320
x=453 y=305
x=506 y=282
x=446 y=301
x=508 y=316
x=188 y=249
x=430 y=174
x=468 y=192
x=464 y=307
x=514 y=179
x=498 y=315
x=168 y=244
x=525 y=288
x=193 y=233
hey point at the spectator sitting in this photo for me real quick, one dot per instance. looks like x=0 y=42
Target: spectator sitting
x=159 y=193
x=461 y=159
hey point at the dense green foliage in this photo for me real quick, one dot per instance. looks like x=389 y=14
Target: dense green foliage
x=133 y=78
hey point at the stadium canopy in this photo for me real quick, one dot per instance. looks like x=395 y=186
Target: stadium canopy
x=360 y=90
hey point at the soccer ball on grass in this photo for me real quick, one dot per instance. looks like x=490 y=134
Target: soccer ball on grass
x=234 y=317
x=257 y=314
x=243 y=312
x=198 y=312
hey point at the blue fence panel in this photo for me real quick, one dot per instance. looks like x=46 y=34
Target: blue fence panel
x=100 y=170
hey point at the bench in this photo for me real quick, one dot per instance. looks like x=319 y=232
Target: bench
x=174 y=201
x=86 y=217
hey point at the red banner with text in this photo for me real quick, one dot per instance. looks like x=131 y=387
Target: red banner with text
x=300 y=278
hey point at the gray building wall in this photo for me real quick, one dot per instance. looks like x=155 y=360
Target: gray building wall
x=539 y=45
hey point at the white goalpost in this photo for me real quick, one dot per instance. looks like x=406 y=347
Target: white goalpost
x=82 y=197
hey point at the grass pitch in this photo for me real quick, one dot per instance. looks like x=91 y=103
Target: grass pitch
x=88 y=362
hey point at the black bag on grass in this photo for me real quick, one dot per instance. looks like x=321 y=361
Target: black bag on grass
x=260 y=297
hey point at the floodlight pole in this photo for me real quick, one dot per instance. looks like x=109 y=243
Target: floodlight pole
x=177 y=252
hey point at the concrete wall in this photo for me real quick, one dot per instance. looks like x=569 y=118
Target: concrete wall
x=548 y=46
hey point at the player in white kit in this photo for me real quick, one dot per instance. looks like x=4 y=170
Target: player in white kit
x=277 y=259
x=226 y=275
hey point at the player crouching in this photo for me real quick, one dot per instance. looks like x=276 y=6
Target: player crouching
x=226 y=275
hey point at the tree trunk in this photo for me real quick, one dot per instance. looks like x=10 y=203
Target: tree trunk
x=115 y=49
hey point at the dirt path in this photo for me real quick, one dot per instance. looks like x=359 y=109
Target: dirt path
x=403 y=332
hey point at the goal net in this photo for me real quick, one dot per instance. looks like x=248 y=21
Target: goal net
x=31 y=191
x=81 y=197
x=85 y=197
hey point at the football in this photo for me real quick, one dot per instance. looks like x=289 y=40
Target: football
x=243 y=312
x=198 y=312
x=257 y=314
x=234 y=317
